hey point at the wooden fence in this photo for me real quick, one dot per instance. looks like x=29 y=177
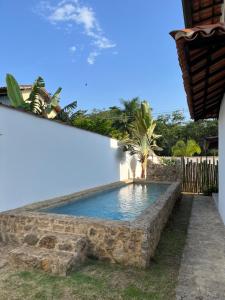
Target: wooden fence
x=200 y=175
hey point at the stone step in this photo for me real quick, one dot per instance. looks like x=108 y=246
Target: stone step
x=59 y=242
x=49 y=260
x=3 y=262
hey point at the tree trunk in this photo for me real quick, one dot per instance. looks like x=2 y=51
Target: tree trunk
x=143 y=169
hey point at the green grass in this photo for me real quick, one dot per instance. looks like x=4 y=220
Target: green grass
x=98 y=280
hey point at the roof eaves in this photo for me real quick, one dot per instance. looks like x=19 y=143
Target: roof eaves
x=190 y=44
x=202 y=12
x=187 y=12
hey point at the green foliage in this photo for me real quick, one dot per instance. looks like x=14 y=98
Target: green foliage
x=213 y=152
x=169 y=161
x=13 y=91
x=170 y=127
x=54 y=100
x=142 y=139
x=208 y=191
x=116 y=121
x=173 y=127
x=68 y=113
x=37 y=106
x=38 y=102
x=131 y=106
x=186 y=149
x=98 y=121
x=37 y=86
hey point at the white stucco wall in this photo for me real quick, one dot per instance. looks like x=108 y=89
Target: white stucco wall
x=41 y=159
x=221 y=202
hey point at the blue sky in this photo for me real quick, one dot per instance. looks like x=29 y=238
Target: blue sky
x=120 y=48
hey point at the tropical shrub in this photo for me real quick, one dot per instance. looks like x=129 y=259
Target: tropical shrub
x=169 y=161
x=208 y=191
x=186 y=149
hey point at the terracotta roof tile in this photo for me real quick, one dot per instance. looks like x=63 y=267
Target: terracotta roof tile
x=202 y=12
x=198 y=31
x=201 y=52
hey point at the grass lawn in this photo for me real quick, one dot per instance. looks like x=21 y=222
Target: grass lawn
x=98 y=280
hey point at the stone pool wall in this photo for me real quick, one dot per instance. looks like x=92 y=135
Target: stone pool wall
x=162 y=172
x=127 y=243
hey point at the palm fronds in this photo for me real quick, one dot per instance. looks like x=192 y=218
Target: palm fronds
x=142 y=139
x=67 y=113
x=186 y=149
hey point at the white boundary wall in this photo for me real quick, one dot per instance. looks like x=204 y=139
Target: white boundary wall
x=221 y=202
x=42 y=159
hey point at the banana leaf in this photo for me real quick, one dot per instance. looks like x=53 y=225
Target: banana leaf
x=13 y=91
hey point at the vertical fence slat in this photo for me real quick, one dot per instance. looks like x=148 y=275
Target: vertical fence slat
x=199 y=175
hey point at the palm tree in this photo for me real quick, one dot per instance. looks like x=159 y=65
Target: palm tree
x=142 y=139
x=186 y=149
x=125 y=116
x=131 y=107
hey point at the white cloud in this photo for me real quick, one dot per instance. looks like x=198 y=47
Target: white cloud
x=102 y=42
x=92 y=57
x=86 y=17
x=62 y=13
x=73 y=49
x=73 y=12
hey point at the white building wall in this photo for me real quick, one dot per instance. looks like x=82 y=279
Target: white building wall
x=221 y=203
x=42 y=159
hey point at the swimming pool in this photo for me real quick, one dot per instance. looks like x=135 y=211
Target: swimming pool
x=144 y=206
x=124 y=203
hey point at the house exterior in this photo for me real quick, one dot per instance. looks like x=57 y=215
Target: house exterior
x=44 y=96
x=25 y=91
x=201 y=52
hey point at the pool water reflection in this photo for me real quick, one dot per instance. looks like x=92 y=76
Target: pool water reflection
x=123 y=203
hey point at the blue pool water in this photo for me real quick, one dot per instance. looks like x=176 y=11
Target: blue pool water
x=124 y=203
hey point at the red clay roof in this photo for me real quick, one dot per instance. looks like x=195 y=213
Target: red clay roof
x=201 y=52
x=202 y=12
x=201 y=30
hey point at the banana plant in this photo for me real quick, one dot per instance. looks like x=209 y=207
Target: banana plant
x=35 y=102
x=14 y=93
x=54 y=101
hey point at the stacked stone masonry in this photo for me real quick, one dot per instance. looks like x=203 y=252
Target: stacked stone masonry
x=128 y=243
x=162 y=172
x=51 y=253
